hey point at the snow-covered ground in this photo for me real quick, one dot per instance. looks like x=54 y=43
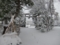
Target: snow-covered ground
x=31 y=36
x=10 y=39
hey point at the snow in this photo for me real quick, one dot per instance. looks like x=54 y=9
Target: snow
x=29 y=23
x=10 y=39
x=29 y=26
x=31 y=36
x=26 y=9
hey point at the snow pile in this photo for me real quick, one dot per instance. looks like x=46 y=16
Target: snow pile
x=10 y=39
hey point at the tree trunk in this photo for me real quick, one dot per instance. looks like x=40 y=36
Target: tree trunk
x=16 y=14
x=11 y=25
x=18 y=7
x=5 y=27
x=35 y=20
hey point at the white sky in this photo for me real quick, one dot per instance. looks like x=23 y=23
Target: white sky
x=57 y=7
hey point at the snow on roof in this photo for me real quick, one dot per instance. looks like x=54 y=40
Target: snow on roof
x=26 y=10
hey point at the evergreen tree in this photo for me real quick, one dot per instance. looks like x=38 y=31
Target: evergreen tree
x=51 y=7
x=38 y=9
x=8 y=7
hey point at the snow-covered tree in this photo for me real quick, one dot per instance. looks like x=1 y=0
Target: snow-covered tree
x=51 y=7
x=56 y=15
x=56 y=18
x=39 y=9
x=11 y=7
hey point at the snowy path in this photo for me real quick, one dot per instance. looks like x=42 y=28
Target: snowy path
x=35 y=37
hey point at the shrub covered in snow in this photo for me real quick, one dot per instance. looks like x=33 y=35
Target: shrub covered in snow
x=10 y=39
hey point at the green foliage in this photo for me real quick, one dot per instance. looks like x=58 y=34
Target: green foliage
x=7 y=5
x=29 y=2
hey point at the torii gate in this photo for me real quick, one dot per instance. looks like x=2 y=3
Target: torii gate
x=28 y=18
